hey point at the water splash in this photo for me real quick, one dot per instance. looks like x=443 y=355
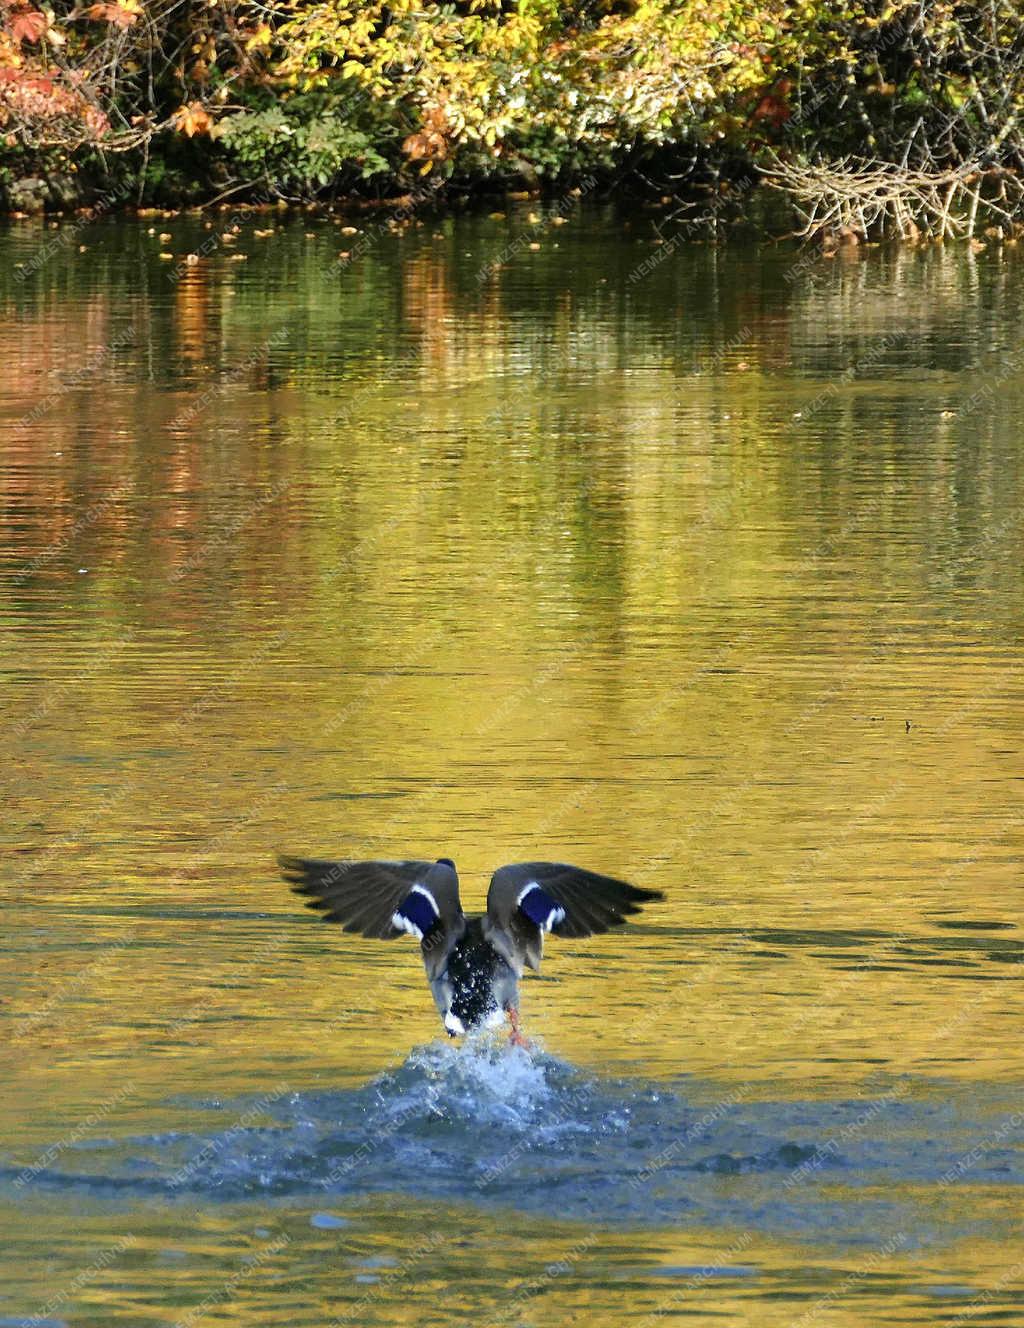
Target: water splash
x=481 y=1081
x=489 y=1124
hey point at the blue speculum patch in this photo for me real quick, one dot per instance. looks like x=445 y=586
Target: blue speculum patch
x=538 y=906
x=416 y=909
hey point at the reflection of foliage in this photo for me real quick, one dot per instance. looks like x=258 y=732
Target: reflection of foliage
x=308 y=95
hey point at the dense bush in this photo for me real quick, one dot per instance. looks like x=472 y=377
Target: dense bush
x=307 y=143
x=311 y=96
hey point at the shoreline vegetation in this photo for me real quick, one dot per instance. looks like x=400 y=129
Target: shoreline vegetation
x=862 y=120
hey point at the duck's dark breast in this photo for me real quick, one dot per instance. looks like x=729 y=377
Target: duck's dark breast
x=472 y=969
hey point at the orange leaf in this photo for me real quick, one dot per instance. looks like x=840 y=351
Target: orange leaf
x=122 y=15
x=192 y=119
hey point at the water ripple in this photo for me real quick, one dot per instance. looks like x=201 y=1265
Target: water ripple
x=502 y=1126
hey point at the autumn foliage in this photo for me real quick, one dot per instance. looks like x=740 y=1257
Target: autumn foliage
x=48 y=92
x=306 y=97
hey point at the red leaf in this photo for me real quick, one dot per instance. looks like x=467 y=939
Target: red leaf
x=29 y=25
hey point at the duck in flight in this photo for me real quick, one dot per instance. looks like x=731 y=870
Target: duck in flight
x=473 y=963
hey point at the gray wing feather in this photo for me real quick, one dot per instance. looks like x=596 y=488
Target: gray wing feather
x=592 y=903
x=363 y=896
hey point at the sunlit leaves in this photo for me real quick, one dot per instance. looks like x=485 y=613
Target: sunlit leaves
x=192 y=119
x=473 y=87
x=536 y=75
x=122 y=14
x=260 y=38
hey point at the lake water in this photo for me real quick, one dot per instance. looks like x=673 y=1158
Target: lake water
x=698 y=566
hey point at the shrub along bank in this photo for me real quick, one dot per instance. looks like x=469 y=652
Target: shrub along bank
x=868 y=116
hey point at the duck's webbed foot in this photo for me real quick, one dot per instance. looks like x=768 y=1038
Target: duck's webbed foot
x=515 y=1037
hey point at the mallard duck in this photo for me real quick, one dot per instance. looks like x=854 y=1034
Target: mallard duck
x=473 y=963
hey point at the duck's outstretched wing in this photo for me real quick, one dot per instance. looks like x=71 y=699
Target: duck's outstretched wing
x=527 y=899
x=382 y=899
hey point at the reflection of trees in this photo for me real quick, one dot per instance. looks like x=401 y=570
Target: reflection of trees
x=545 y=420
x=546 y=561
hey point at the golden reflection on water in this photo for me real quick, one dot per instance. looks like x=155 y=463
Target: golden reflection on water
x=711 y=581
x=547 y=1274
